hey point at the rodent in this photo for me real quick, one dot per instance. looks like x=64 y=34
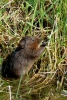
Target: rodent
x=23 y=57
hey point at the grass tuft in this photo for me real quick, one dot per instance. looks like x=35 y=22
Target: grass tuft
x=48 y=78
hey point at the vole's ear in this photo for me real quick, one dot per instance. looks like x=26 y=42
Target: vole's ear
x=22 y=43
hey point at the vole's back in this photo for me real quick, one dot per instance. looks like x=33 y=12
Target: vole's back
x=22 y=59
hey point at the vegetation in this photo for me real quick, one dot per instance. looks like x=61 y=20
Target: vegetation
x=47 y=80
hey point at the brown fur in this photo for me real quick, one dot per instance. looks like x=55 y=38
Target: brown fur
x=22 y=59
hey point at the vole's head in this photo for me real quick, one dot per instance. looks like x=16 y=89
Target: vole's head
x=32 y=45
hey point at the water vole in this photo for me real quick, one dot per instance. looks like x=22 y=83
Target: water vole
x=22 y=59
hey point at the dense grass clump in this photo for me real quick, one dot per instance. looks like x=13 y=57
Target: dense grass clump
x=47 y=80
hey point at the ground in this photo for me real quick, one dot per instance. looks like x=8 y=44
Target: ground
x=47 y=80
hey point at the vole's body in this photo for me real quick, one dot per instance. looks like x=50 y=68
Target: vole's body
x=22 y=59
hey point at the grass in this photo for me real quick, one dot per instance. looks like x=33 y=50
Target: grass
x=35 y=17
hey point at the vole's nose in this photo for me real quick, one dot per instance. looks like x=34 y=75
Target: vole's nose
x=44 y=42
